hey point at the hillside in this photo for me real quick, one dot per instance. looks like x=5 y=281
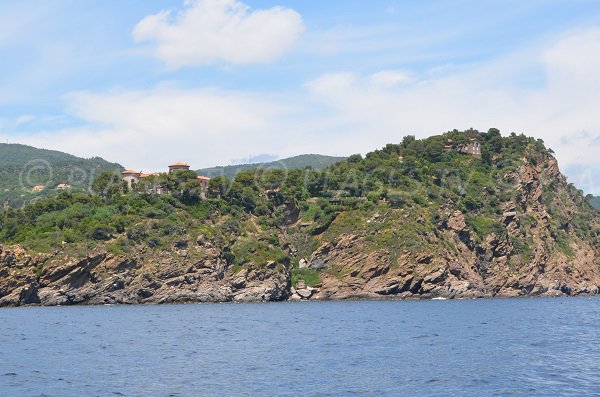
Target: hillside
x=416 y=219
x=595 y=202
x=315 y=161
x=23 y=167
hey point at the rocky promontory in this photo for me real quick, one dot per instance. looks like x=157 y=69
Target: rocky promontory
x=440 y=223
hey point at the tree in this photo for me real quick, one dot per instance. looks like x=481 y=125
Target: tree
x=486 y=156
x=494 y=140
x=355 y=159
x=434 y=149
x=407 y=141
x=459 y=141
x=316 y=183
x=108 y=185
x=246 y=178
x=220 y=185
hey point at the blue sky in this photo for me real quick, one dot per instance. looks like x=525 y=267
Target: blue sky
x=145 y=83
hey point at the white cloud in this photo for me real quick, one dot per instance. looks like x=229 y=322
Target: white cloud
x=575 y=56
x=149 y=129
x=214 y=31
x=539 y=92
x=548 y=92
x=390 y=78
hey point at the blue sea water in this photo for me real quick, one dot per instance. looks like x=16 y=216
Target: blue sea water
x=502 y=347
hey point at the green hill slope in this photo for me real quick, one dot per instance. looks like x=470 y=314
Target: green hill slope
x=23 y=167
x=595 y=202
x=315 y=161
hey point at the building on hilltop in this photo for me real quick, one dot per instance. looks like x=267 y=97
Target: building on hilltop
x=179 y=167
x=38 y=188
x=63 y=186
x=203 y=180
x=473 y=148
x=132 y=177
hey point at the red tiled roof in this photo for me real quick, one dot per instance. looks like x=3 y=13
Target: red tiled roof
x=178 y=164
x=130 y=172
x=204 y=178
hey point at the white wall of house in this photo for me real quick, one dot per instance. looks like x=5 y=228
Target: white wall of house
x=130 y=179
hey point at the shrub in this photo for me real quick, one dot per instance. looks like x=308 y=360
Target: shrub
x=309 y=276
x=396 y=200
x=103 y=232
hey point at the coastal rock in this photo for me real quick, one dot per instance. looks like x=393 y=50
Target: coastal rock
x=101 y=278
x=304 y=293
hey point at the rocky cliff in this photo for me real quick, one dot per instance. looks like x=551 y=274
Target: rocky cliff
x=529 y=233
x=456 y=264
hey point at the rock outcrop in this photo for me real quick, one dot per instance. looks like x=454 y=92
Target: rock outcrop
x=497 y=266
x=104 y=278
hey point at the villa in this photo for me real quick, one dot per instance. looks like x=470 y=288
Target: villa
x=132 y=177
x=472 y=148
x=179 y=167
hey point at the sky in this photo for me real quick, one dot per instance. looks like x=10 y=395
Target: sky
x=211 y=82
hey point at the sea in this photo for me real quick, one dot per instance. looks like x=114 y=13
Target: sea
x=485 y=347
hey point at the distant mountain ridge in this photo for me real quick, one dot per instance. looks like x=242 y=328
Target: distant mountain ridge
x=316 y=161
x=23 y=167
x=595 y=202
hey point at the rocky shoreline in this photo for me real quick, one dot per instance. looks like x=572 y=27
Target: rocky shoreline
x=103 y=278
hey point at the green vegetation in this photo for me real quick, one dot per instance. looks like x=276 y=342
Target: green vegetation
x=23 y=167
x=309 y=276
x=595 y=202
x=562 y=242
x=482 y=226
x=315 y=161
x=250 y=250
x=395 y=197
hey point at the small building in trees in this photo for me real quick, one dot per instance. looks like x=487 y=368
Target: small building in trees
x=204 y=181
x=473 y=147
